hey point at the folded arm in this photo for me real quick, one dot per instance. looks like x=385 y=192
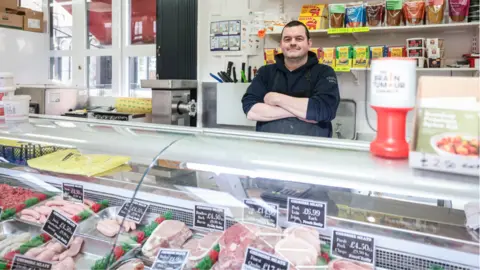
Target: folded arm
x=253 y=105
x=320 y=107
x=263 y=112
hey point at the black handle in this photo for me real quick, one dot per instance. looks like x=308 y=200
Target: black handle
x=249 y=74
x=234 y=75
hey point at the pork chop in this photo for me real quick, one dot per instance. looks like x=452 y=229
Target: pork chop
x=169 y=234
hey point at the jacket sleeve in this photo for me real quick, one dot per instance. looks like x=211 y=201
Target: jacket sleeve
x=256 y=91
x=323 y=104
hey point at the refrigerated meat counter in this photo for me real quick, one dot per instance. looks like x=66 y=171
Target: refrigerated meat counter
x=197 y=190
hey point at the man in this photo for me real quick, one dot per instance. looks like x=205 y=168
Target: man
x=296 y=95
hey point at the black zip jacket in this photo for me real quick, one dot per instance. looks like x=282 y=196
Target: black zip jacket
x=314 y=81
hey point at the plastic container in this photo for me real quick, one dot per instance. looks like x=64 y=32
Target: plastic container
x=17 y=108
x=392 y=91
x=7 y=82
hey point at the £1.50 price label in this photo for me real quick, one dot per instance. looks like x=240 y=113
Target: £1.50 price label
x=307 y=212
x=258 y=260
x=209 y=217
x=135 y=212
x=72 y=192
x=60 y=227
x=260 y=213
x=353 y=246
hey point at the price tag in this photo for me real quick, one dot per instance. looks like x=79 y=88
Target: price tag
x=171 y=259
x=73 y=192
x=60 y=227
x=342 y=69
x=136 y=213
x=353 y=246
x=464 y=165
x=261 y=213
x=209 y=217
x=25 y=263
x=336 y=31
x=258 y=260
x=307 y=212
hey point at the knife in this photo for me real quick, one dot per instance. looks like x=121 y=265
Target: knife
x=234 y=75
x=229 y=68
x=249 y=74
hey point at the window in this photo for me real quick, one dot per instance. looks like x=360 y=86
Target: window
x=85 y=51
x=61 y=22
x=99 y=24
x=99 y=81
x=141 y=68
x=61 y=69
x=143 y=21
x=32 y=4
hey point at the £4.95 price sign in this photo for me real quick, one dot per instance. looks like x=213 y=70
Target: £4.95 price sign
x=353 y=246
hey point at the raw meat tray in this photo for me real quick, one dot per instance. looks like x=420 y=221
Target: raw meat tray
x=89 y=226
x=9 y=212
x=17 y=215
x=12 y=228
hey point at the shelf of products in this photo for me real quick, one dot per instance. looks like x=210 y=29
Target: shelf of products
x=434 y=28
x=193 y=197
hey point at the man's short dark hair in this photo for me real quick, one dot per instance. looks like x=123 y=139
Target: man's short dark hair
x=297 y=23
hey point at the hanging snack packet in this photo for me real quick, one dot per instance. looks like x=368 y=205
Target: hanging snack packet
x=336 y=13
x=375 y=13
x=354 y=15
x=394 y=12
x=458 y=10
x=435 y=10
x=414 y=11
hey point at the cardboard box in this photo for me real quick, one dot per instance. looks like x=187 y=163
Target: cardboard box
x=8 y=4
x=343 y=56
x=318 y=10
x=13 y=21
x=314 y=23
x=329 y=56
x=447 y=128
x=32 y=20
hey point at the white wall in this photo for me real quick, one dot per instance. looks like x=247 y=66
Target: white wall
x=456 y=43
x=25 y=54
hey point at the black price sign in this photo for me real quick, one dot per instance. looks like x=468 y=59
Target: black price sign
x=26 y=263
x=136 y=213
x=258 y=260
x=307 y=212
x=170 y=259
x=353 y=246
x=209 y=217
x=60 y=227
x=261 y=213
x=73 y=192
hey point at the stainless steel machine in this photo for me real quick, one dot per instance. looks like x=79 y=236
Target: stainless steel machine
x=173 y=101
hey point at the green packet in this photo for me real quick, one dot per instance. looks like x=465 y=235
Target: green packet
x=336 y=8
x=394 y=4
x=448 y=132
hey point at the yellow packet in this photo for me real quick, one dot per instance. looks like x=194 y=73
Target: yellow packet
x=133 y=105
x=71 y=161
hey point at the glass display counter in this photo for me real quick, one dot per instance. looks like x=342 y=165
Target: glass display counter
x=231 y=199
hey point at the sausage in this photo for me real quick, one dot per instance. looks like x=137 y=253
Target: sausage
x=73 y=250
x=69 y=210
x=44 y=210
x=43 y=219
x=88 y=202
x=56 y=203
x=30 y=212
x=60 y=210
x=108 y=227
x=28 y=218
x=46 y=255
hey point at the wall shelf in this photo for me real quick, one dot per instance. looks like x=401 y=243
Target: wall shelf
x=398 y=29
x=429 y=69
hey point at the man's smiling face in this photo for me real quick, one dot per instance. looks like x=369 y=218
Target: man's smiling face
x=294 y=43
